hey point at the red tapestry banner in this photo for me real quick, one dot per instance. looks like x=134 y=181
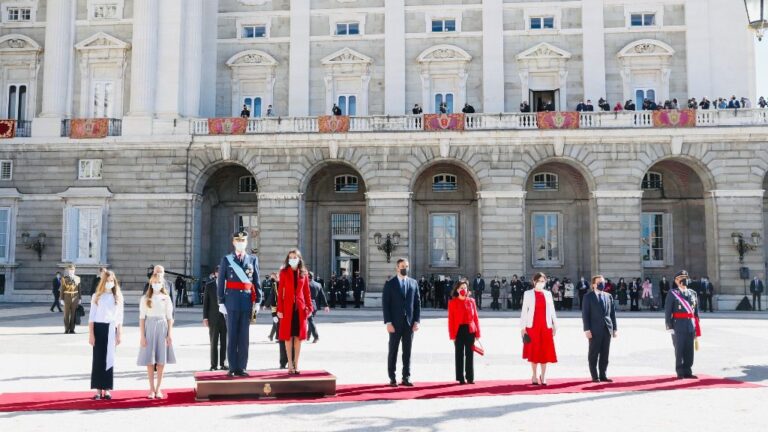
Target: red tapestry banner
x=674 y=118
x=557 y=120
x=227 y=126
x=89 y=128
x=437 y=122
x=7 y=128
x=333 y=124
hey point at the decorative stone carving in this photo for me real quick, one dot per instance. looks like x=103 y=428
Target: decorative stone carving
x=254 y=2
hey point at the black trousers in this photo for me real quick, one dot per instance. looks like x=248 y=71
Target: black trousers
x=101 y=379
x=707 y=303
x=683 y=343
x=358 y=298
x=495 y=305
x=581 y=298
x=273 y=331
x=517 y=301
x=343 y=298
x=217 y=332
x=634 y=303
x=756 y=303
x=405 y=335
x=568 y=303
x=56 y=303
x=663 y=300
x=464 y=356
x=479 y=300
x=312 y=328
x=599 y=349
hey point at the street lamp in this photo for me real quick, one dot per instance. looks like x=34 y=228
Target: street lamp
x=38 y=244
x=391 y=241
x=743 y=246
x=756 y=15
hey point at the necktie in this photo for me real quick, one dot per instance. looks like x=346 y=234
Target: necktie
x=402 y=286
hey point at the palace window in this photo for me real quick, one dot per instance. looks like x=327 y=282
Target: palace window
x=444 y=183
x=546 y=239
x=253 y=103
x=103 y=10
x=642 y=19
x=446 y=98
x=82 y=233
x=347 y=29
x=539 y=23
x=6 y=170
x=17 y=102
x=655 y=239
x=5 y=232
x=89 y=169
x=444 y=239
x=253 y=31
x=443 y=25
x=652 y=181
x=348 y=104
x=346 y=184
x=18 y=14
x=545 y=182
x=247 y=184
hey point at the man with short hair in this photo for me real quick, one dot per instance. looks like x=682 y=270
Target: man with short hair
x=478 y=286
x=70 y=293
x=598 y=316
x=216 y=323
x=56 y=291
x=401 y=305
x=318 y=299
x=682 y=320
x=756 y=287
x=358 y=288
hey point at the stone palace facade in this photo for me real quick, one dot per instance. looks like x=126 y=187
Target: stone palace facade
x=500 y=196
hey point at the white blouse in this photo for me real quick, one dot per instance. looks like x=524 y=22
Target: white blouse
x=162 y=306
x=106 y=311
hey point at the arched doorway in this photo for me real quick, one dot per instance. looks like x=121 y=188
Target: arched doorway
x=557 y=222
x=229 y=204
x=445 y=220
x=673 y=223
x=334 y=220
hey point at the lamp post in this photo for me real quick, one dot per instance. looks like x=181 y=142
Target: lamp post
x=756 y=15
x=390 y=243
x=742 y=247
x=38 y=244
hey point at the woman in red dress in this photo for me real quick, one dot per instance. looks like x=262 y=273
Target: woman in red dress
x=539 y=322
x=463 y=329
x=294 y=305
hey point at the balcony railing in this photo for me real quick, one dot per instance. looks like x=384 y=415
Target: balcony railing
x=501 y=121
x=24 y=128
x=114 y=127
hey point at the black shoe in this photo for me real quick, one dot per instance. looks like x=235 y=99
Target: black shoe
x=406 y=382
x=315 y=340
x=107 y=396
x=213 y=368
x=595 y=380
x=224 y=367
x=605 y=379
x=470 y=381
x=691 y=377
x=241 y=373
x=680 y=377
x=231 y=374
x=392 y=383
x=461 y=381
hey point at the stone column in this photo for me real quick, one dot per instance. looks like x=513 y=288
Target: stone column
x=697 y=47
x=143 y=68
x=730 y=211
x=298 y=73
x=279 y=228
x=501 y=232
x=616 y=233
x=193 y=57
x=170 y=61
x=58 y=64
x=394 y=58
x=594 y=57
x=387 y=212
x=493 y=56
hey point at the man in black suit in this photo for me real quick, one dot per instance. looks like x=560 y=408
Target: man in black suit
x=318 y=298
x=663 y=290
x=708 y=293
x=583 y=289
x=216 y=323
x=358 y=288
x=478 y=286
x=56 y=290
x=756 y=287
x=402 y=309
x=599 y=318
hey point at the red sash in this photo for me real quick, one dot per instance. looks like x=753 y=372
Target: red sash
x=689 y=315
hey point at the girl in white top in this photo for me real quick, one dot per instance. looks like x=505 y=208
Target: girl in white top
x=155 y=328
x=105 y=325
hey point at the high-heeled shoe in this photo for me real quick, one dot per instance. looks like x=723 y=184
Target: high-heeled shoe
x=542 y=381
x=159 y=395
x=151 y=395
x=534 y=381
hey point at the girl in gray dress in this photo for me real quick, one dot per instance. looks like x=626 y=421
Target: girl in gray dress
x=155 y=328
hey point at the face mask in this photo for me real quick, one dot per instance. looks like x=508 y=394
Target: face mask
x=240 y=246
x=157 y=286
x=404 y=272
x=293 y=262
x=601 y=286
x=109 y=285
x=462 y=292
x=540 y=285
x=685 y=282
x=70 y=273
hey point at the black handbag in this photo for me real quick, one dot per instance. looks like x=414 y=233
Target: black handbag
x=526 y=339
x=79 y=312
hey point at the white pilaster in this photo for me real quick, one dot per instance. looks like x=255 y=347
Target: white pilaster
x=143 y=68
x=170 y=42
x=394 y=57
x=193 y=56
x=594 y=51
x=493 y=56
x=697 y=48
x=298 y=75
x=57 y=68
x=210 y=31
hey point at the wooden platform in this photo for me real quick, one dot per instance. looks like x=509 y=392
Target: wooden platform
x=264 y=384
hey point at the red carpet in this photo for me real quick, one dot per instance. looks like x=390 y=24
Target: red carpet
x=362 y=392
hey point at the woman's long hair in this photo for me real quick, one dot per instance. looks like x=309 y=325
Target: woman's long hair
x=151 y=291
x=301 y=267
x=102 y=288
x=457 y=285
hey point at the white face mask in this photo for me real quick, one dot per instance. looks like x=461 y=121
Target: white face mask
x=240 y=246
x=70 y=273
x=157 y=286
x=293 y=262
x=109 y=285
x=540 y=285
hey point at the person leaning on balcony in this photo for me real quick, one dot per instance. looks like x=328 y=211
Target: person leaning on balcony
x=524 y=107
x=762 y=103
x=336 y=110
x=417 y=109
x=629 y=105
x=468 y=109
x=245 y=113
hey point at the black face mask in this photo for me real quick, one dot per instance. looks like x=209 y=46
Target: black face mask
x=600 y=286
x=404 y=272
x=684 y=283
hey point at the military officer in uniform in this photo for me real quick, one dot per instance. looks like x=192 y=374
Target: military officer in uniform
x=343 y=289
x=681 y=313
x=358 y=288
x=333 y=287
x=318 y=299
x=237 y=292
x=70 y=293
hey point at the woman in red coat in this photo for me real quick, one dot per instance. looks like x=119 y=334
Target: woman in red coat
x=463 y=329
x=294 y=305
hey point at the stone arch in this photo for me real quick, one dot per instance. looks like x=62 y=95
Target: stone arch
x=704 y=172
x=578 y=165
x=203 y=166
x=356 y=161
x=469 y=169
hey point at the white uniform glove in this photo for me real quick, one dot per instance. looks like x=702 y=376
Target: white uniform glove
x=223 y=309
x=671 y=331
x=274 y=319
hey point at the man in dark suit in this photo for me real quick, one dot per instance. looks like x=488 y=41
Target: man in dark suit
x=663 y=290
x=583 y=288
x=707 y=293
x=401 y=304
x=599 y=318
x=756 y=287
x=478 y=286
x=358 y=288
x=343 y=290
x=56 y=290
x=318 y=299
x=216 y=323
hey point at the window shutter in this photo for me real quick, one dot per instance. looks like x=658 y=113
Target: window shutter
x=6 y=170
x=669 y=243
